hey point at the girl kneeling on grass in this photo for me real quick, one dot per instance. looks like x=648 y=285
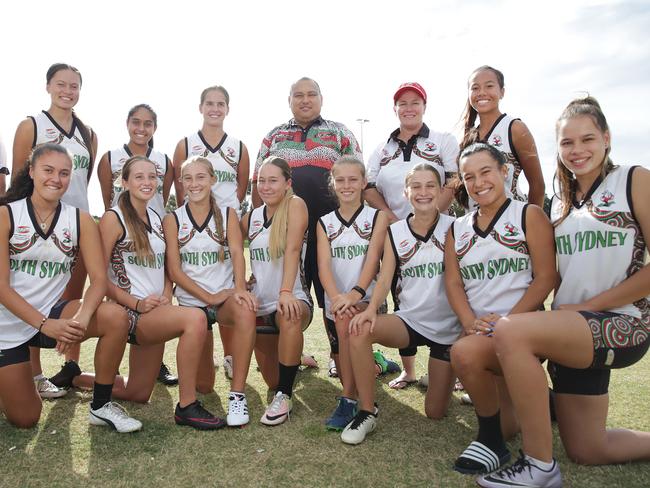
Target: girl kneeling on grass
x=205 y=258
x=601 y=315
x=414 y=253
x=499 y=261
x=41 y=239
x=276 y=233
x=133 y=241
x=350 y=241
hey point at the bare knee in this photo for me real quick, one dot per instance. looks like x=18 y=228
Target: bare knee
x=586 y=453
x=116 y=319
x=27 y=419
x=196 y=323
x=463 y=356
x=435 y=412
x=204 y=387
x=507 y=337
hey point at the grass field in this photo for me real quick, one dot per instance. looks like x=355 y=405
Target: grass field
x=407 y=449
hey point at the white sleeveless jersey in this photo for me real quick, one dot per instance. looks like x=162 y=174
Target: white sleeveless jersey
x=267 y=272
x=419 y=285
x=47 y=130
x=117 y=158
x=40 y=264
x=600 y=243
x=225 y=159
x=348 y=248
x=494 y=264
x=199 y=247
x=139 y=276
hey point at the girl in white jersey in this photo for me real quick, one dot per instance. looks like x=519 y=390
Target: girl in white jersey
x=205 y=258
x=41 y=239
x=601 y=316
x=276 y=234
x=413 y=263
x=59 y=124
x=350 y=242
x=141 y=124
x=230 y=160
x=486 y=88
x=499 y=261
x=134 y=247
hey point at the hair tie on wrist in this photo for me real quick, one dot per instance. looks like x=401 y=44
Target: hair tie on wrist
x=286 y=290
x=359 y=290
x=136 y=305
x=43 y=320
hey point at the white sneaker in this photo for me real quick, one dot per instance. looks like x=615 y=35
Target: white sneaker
x=114 y=415
x=47 y=389
x=424 y=381
x=523 y=472
x=227 y=366
x=237 y=410
x=278 y=411
x=362 y=425
x=465 y=399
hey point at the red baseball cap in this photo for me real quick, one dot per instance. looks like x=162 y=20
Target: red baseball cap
x=411 y=85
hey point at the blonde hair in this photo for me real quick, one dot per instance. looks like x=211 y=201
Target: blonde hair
x=216 y=212
x=352 y=161
x=280 y=224
x=135 y=226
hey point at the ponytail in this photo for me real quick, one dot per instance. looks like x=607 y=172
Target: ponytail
x=280 y=227
x=219 y=226
x=87 y=136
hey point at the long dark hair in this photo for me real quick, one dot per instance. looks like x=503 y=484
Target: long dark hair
x=468 y=119
x=460 y=190
x=22 y=186
x=84 y=130
x=148 y=108
x=586 y=106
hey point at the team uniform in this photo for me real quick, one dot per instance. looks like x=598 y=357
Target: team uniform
x=419 y=286
x=199 y=247
x=391 y=161
x=47 y=130
x=495 y=264
x=599 y=245
x=349 y=241
x=40 y=266
x=267 y=272
x=117 y=158
x=139 y=276
x=225 y=158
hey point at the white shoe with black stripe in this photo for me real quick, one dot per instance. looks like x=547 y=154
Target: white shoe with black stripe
x=479 y=458
x=114 y=415
x=523 y=473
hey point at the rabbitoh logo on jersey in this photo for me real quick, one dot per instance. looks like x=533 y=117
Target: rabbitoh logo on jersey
x=403 y=245
x=231 y=152
x=366 y=225
x=607 y=199
x=511 y=229
x=430 y=146
x=496 y=141
x=51 y=133
x=464 y=238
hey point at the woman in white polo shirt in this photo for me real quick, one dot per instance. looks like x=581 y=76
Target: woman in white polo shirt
x=410 y=144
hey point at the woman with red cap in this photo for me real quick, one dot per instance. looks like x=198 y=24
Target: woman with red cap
x=412 y=143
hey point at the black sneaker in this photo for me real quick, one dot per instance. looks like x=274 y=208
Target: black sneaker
x=63 y=379
x=166 y=377
x=198 y=417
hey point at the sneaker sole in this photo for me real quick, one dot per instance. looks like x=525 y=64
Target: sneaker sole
x=95 y=420
x=199 y=425
x=238 y=424
x=271 y=422
x=53 y=395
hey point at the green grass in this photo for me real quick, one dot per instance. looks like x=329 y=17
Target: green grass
x=407 y=449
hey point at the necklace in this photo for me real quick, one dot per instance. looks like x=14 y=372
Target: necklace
x=43 y=221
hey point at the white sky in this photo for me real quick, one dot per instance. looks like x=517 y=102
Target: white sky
x=164 y=53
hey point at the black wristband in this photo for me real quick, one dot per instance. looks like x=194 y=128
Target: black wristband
x=359 y=290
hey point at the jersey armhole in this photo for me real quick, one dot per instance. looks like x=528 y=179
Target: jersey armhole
x=628 y=191
x=451 y=229
x=119 y=219
x=178 y=224
x=392 y=245
x=225 y=227
x=78 y=219
x=35 y=132
x=524 y=212
x=374 y=221
x=11 y=220
x=322 y=224
x=241 y=150
x=511 y=142
x=187 y=151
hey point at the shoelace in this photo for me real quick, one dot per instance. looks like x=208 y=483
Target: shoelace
x=360 y=418
x=518 y=467
x=238 y=405
x=276 y=404
x=117 y=410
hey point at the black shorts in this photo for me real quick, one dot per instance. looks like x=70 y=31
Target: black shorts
x=332 y=335
x=266 y=324
x=436 y=351
x=20 y=354
x=211 y=312
x=619 y=341
x=311 y=271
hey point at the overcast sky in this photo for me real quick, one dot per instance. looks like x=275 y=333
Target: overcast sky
x=165 y=53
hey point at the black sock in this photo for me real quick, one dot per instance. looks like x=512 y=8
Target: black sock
x=489 y=432
x=101 y=395
x=287 y=377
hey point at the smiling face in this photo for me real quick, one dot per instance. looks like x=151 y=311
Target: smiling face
x=197 y=180
x=64 y=89
x=483 y=177
x=410 y=108
x=349 y=182
x=484 y=91
x=305 y=101
x=141 y=126
x=582 y=146
x=422 y=190
x=140 y=179
x=214 y=108
x=272 y=184
x=51 y=173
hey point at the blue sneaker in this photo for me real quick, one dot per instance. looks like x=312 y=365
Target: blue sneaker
x=343 y=415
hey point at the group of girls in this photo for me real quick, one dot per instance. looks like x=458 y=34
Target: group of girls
x=469 y=289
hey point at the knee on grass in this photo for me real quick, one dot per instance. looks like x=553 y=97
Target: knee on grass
x=27 y=419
